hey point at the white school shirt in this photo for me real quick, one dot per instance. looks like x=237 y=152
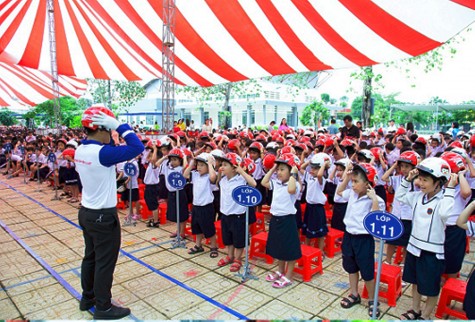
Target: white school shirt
x=283 y=203
x=152 y=175
x=167 y=170
x=133 y=179
x=227 y=205
x=429 y=218
x=202 y=189
x=258 y=173
x=470 y=180
x=357 y=209
x=399 y=209
x=343 y=198
x=459 y=206
x=315 y=193
x=380 y=171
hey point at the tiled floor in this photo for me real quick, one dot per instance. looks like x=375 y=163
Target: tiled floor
x=40 y=257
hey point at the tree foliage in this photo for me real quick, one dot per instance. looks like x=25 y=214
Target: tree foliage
x=7 y=117
x=315 y=114
x=118 y=95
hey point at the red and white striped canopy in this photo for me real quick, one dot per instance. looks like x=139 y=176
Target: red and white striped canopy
x=28 y=87
x=220 y=41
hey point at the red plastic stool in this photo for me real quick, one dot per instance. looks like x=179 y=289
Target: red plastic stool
x=310 y=263
x=331 y=246
x=399 y=255
x=162 y=212
x=120 y=203
x=258 y=247
x=392 y=276
x=144 y=212
x=328 y=215
x=259 y=225
x=219 y=234
x=453 y=290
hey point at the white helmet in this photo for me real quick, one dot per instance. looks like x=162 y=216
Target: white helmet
x=217 y=153
x=461 y=152
x=460 y=133
x=308 y=133
x=72 y=143
x=272 y=145
x=164 y=141
x=435 y=166
x=343 y=162
x=366 y=153
x=203 y=157
x=436 y=136
x=320 y=159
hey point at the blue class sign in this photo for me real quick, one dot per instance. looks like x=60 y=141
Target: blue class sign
x=383 y=225
x=176 y=180
x=130 y=169
x=247 y=196
x=52 y=157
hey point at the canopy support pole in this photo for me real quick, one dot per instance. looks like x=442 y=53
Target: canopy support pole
x=168 y=65
x=54 y=65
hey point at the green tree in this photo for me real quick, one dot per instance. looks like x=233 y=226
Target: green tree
x=6 y=117
x=68 y=110
x=118 y=95
x=314 y=114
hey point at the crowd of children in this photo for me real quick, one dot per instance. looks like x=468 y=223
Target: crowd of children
x=428 y=184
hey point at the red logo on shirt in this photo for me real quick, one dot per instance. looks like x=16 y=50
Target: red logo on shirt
x=430 y=211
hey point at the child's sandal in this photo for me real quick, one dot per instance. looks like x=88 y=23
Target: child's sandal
x=370 y=309
x=213 y=252
x=282 y=282
x=224 y=261
x=195 y=250
x=235 y=266
x=350 y=301
x=411 y=315
x=272 y=277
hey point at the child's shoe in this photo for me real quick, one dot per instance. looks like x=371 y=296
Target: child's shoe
x=135 y=217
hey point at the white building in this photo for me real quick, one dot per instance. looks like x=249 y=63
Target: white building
x=256 y=103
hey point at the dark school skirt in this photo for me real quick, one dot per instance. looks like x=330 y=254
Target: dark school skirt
x=171 y=206
x=125 y=195
x=151 y=196
x=381 y=192
x=216 y=203
x=329 y=190
x=283 y=241
x=298 y=214
x=339 y=210
x=162 y=187
x=70 y=176
x=454 y=248
x=314 y=221
x=263 y=192
x=404 y=239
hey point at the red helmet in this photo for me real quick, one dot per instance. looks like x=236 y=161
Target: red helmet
x=151 y=143
x=375 y=151
x=472 y=141
x=320 y=142
x=233 y=158
x=187 y=152
x=456 y=144
x=304 y=139
x=204 y=135
x=346 y=142
x=173 y=136
x=234 y=144
x=248 y=165
x=212 y=145
x=181 y=134
x=279 y=139
x=69 y=152
x=400 y=131
x=176 y=152
x=289 y=159
x=369 y=171
x=257 y=146
x=455 y=161
x=328 y=142
x=243 y=135
x=410 y=157
x=290 y=142
x=268 y=161
x=287 y=149
x=301 y=146
x=309 y=145
x=260 y=137
x=87 y=115
x=421 y=140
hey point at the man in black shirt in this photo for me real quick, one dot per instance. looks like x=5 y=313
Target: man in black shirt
x=349 y=130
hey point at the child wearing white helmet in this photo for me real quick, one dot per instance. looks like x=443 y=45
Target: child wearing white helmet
x=431 y=207
x=315 y=221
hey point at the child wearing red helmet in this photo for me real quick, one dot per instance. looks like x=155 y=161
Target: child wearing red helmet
x=358 y=246
x=283 y=242
x=233 y=219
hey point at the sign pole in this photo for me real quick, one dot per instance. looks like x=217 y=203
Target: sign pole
x=52 y=159
x=378 y=278
x=177 y=181
x=130 y=170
